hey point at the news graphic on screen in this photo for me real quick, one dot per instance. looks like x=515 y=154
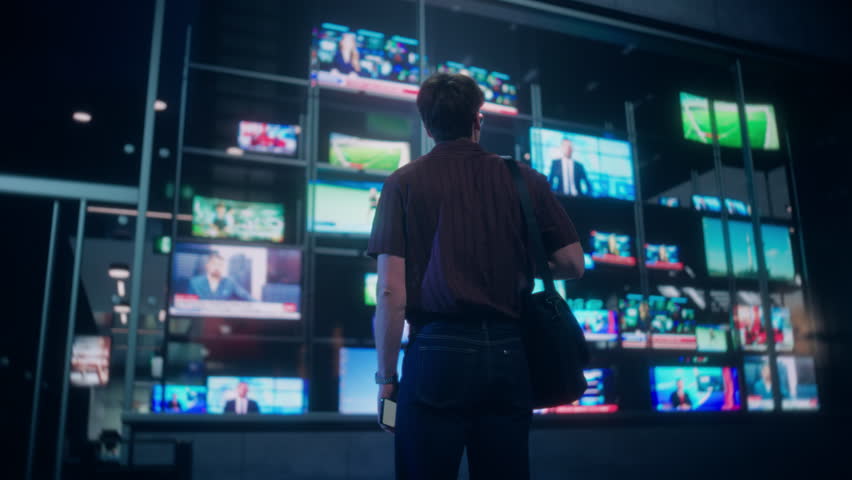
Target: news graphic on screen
x=672 y=323
x=370 y=280
x=256 y=395
x=247 y=221
x=599 y=324
x=706 y=203
x=758 y=383
x=583 y=165
x=268 y=138
x=662 y=257
x=711 y=338
x=693 y=388
x=737 y=207
x=612 y=249
x=760 y=119
x=90 y=360
x=179 y=399
x=671 y=202
x=501 y=94
x=365 y=61
x=635 y=320
x=357 y=389
x=344 y=207
x=798 y=383
x=367 y=154
x=599 y=396
x=748 y=321
x=229 y=281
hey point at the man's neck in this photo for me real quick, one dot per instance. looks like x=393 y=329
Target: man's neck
x=567 y=158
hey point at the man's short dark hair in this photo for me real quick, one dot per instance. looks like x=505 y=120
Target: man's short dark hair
x=449 y=104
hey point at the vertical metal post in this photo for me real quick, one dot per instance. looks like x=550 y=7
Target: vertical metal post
x=762 y=273
x=42 y=336
x=175 y=203
x=309 y=239
x=535 y=104
x=426 y=142
x=638 y=208
x=144 y=187
x=726 y=229
x=69 y=340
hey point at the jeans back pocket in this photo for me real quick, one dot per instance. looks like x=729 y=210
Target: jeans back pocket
x=445 y=375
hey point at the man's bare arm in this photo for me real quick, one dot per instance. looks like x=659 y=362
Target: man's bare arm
x=568 y=262
x=390 y=312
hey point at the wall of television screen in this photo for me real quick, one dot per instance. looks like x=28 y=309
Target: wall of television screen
x=235 y=264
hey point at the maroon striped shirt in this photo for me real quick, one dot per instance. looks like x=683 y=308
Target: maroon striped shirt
x=455 y=217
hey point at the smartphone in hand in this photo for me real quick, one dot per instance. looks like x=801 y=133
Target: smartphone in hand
x=387 y=413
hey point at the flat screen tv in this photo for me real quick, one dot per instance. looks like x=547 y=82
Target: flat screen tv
x=694 y=388
x=363 y=60
x=671 y=202
x=662 y=257
x=90 y=357
x=357 y=390
x=798 y=383
x=760 y=119
x=612 y=249
x=231 y=281
x=599 y=397
x=778 y=250
x=583 y=165
x=748 y=322
x=344 y=207
x=179 y=399
x=256 y=395
x=501 y=94
x=758 y=383
x=711 y=338
x=672 y=323
x=599 y=324
x=248 y=221
x=367 y=154
x=268 y=138
x=634 y=320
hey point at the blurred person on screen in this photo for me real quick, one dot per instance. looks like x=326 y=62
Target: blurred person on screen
x=347 y=59
x=567 y=175
x=174 y=404
x=763 y=385
x=612 y=245
x=679 y=398
x=213 y=284
x=241 y=404
x=453 y=259
x=222 y=223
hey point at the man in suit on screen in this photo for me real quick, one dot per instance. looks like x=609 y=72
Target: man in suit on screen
x=242 y=404
x=567 y=175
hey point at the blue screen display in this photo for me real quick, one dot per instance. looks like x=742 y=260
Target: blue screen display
x=357 y=393
x=689 y=388
x=265 y=395
x=179 y=399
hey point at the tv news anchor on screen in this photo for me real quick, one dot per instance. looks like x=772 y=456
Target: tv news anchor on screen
x=567 y=175
x=242 y=405
x=453 y=259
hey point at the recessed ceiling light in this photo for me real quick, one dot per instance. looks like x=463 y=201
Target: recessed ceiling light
x=160 y=105
x=81 y=116
x=236 y=151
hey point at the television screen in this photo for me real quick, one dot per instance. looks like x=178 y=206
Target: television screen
x=364 y=60
x=259 y=395
x=345 y=207
x=748 y=321
x=588 y=262
x=248 y=221
x=90 y=360
x=662 y=257
x=179 y=399
x=737 y=207
x=228 y=281
x=268 y=137
x=538 y=286
x=778 y=252
x=367 y=154
x=370 y=280
x=695 y=119
x=612 y=248
x=582 y=165
x=711 y=338
x=691 y=388
x=634 y=316
x=599 y=324
x=671 y=202
x=672 y=323
x=357 y=390
x=797 y=376
x=758 y=383
x=599 y=396
x=706 y=203
x=501 y=94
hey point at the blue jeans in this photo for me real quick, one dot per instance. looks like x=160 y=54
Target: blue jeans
x=464 y=385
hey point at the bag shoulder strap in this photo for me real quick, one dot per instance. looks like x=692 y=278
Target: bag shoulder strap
x=533 y=231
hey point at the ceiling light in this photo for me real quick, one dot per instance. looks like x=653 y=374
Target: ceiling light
x=161 y=316
x=81 y=116
x=160 y=105
x=122 y=291
x=119 y=271
x=122 y=309
x=236 y=151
